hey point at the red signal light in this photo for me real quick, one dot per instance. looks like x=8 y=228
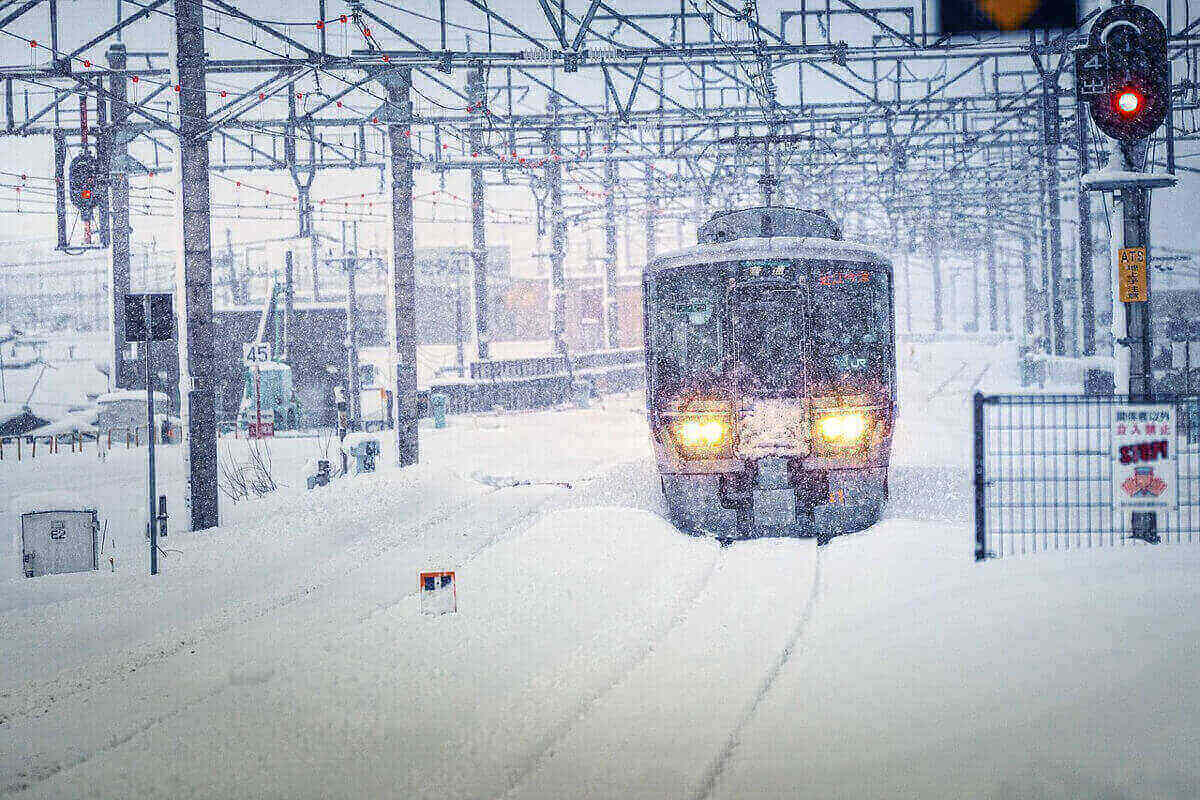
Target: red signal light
x=1129 y=102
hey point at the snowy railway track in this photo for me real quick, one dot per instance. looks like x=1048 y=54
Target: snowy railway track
x=674 y=718
x=547 y=747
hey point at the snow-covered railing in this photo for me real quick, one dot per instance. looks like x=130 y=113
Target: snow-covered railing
x=1045 y=370
x=508 y=368
x=539 y=391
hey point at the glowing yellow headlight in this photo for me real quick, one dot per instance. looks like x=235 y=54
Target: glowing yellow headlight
x=706 y=433
x=843 y=428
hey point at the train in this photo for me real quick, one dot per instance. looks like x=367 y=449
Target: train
x=771 y=377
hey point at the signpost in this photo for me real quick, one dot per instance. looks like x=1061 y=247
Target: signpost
x=1131 y=279
x=1145 y=470
x=148 y=319
x=254 y=354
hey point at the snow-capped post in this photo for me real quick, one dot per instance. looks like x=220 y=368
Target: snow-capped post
x=439 y=592
x=194 y=279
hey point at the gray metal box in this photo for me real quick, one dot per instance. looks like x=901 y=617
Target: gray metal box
x=58 y=541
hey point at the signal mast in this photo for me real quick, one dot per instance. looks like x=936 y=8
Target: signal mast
x=1123 y=76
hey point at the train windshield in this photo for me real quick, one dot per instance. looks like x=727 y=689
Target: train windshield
x=849 y=323
x=779 y=328
x=769 y=324
x=687 y=328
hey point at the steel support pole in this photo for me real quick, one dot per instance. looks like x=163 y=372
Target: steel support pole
x=118 y=242
x=558 y=234
x=1087 y=295
x=193 y=280
x=401 y=275
x=1052 y=130
x=477 y=97
x=612 y=333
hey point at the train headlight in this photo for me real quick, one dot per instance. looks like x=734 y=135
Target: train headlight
x=842 y=429
x=701 y=435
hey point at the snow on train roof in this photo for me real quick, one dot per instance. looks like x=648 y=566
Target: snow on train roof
x=773 y=247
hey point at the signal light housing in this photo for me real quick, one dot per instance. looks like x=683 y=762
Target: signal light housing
x=1124 y=75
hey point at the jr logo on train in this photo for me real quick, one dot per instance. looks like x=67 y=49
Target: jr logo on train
x=771 y=377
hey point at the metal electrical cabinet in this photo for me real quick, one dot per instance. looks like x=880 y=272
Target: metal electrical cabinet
x=58 y=541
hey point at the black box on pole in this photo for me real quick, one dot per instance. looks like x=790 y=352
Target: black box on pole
x=161 y=325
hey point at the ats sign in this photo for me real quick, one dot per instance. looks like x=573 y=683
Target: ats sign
x=1144 y=466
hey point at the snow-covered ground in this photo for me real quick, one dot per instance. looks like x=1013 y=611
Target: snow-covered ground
x=597 y=652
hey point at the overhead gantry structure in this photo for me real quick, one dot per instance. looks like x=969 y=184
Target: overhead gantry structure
x=913 y=138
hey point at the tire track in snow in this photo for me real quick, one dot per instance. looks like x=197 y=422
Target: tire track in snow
x=717 y=768
x=547 y=747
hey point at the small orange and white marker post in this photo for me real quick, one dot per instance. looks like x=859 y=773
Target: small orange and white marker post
x=439 y=595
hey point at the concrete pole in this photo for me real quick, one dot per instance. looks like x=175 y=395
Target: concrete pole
x=1029 y=293
x=1044 y=277
x=612 y=333
x=651 y=215
x=935 y=266
x=1052 y=131
x=353 y=393
x=289 y=302
x=315 y=244
x=193 y=280
x=402 y=321
x=477 y=97
x=990 y=255
x=558 y=234
x=118 y=243
x=976 y=321
x=1087 y=297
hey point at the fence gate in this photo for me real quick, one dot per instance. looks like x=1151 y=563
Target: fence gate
x=1044 y=472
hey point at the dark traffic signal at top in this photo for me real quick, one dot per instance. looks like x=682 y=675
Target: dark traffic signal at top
x=1124 y=75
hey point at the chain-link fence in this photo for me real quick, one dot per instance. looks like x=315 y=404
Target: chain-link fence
x=1044 y=474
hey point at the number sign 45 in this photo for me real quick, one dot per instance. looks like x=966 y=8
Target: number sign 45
x=254 y=353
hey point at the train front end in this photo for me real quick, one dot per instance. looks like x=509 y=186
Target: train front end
x=770 y=364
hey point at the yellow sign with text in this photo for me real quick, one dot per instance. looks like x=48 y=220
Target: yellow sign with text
x=1131 y=275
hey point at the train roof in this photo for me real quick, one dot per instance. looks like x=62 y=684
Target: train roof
x=767 y=221
x=773 y=247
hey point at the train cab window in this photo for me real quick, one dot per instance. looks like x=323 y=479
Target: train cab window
x=768 y=325
x=687 y=333
x=850 y=321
